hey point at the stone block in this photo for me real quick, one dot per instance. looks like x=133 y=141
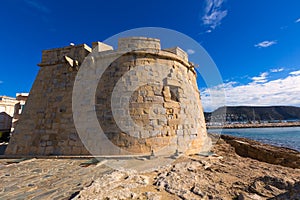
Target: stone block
x=179 y=132
x=173 y=82
x=49 y=150
x=99 y=46
x=171 y=104
x=45 y=137
x=43 y=143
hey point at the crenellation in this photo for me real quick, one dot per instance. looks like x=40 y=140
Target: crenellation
x=100 y=46
x=138 y=43
x=178 y=51
x=56 y=56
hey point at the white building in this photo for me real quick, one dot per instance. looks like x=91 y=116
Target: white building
x=10 y=110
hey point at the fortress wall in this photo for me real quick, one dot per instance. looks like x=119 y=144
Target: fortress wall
x=46 y=125
x=159 y=110
x=164 y=111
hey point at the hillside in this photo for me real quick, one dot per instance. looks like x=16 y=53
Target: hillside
x=254 y=113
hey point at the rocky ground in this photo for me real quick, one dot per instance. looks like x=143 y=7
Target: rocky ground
x=223 y=175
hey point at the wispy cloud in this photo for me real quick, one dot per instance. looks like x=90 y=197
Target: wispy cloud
x=38 y=6
x=213 y=14
x=1 y=82
x=277 y=70
x=282 y=91
x=191 y=51
x=297 y=73
x=265 y=44
x=262 y=78
x=297 y=21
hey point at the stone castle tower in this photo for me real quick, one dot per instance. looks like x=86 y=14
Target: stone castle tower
x=144 y=99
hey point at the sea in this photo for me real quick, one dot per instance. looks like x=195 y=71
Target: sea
x=279 y=136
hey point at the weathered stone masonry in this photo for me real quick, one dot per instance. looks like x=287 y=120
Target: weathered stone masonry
x=164 y=111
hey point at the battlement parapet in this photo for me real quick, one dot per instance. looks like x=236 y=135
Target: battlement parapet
x=79 y=52
x=56 y=56
x=179 y=52
x=137 y=43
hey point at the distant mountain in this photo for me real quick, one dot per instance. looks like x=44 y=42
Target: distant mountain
x=254 y=113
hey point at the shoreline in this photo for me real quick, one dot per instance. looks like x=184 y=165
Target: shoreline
x=263 y=152
x=267 y=125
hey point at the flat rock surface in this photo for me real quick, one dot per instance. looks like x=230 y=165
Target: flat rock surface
x=224 y=175
x=46 y=178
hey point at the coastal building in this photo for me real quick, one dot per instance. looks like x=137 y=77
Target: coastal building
x=10 y=110
x=7 y=110
x=19 y=107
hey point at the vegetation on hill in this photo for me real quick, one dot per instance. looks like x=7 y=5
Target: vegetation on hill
x=254 y=113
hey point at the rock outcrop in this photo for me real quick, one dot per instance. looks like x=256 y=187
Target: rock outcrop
x=224 y=175
x=221 y=175
x=265 y=153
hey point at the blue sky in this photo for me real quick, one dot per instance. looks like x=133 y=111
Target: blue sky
x=255 y=44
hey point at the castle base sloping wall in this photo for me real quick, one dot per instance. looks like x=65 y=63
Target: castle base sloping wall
x=159 y=102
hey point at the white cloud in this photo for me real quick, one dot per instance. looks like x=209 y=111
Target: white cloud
x=297 y=21
x=213 y=13
x=262 y=78
x=277 y=70
x=38 y=6
x=265 y=44
x=295 y=73
x=190 y=51
x=283 y=91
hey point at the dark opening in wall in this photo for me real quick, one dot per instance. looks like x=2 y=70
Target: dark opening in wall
x=174 y=93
